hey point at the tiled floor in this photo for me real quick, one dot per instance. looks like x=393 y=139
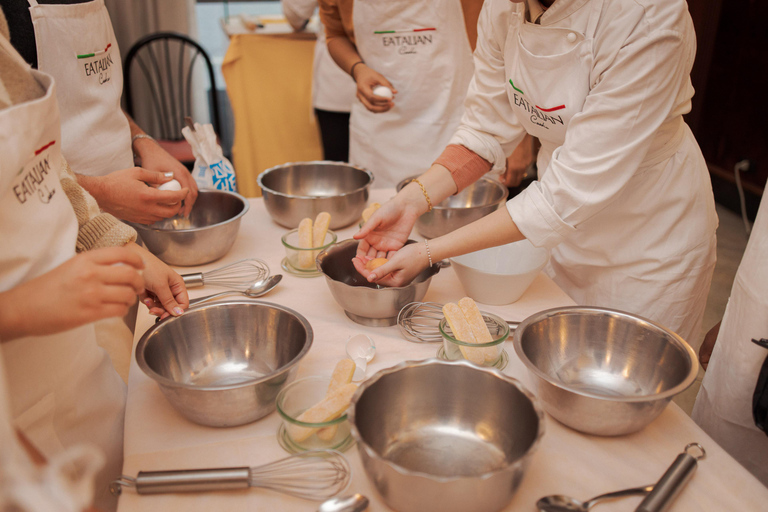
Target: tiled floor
x=731 y=241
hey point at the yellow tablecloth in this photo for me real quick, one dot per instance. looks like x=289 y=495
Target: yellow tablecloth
x=269 y=82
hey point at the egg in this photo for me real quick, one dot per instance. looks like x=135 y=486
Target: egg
x=375 y=263
x=383 y=92
x=170 y=185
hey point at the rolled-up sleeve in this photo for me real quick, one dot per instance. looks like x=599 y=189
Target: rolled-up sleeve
x=332 y=17
x=489 y=126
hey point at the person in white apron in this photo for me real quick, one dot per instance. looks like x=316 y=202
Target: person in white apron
x=623 y=201
x=419 y=49
x=723 y=406
x=75 y=43
x=333 y=93
x=63 y=388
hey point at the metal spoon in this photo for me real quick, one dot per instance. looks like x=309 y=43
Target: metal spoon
x=558 y=503
x=353 y=503
x=257 y=289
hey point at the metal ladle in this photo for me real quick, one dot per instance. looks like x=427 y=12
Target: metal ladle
x=257 y=289
x=559 y=503
x=353 y=503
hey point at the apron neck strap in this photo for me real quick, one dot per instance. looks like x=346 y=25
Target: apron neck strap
x=32 y=3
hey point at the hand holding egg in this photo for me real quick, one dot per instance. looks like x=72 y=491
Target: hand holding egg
x=383 y=91
x=170 y=185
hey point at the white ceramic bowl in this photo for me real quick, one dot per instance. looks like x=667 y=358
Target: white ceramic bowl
x=500 y=275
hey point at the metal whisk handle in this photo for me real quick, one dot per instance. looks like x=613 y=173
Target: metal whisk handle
x=194 y=280
x=192 y=480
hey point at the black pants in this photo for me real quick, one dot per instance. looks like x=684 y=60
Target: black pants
x=334 y=132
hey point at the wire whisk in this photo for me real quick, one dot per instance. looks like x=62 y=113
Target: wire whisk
x=313 y=475
x=419 y=322
x=235 y=276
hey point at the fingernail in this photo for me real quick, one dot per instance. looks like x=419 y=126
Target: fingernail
x=148 y=302
x=371 y=277
x=168 y=174
x=178 y=311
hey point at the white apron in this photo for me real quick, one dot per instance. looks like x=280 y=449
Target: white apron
x=422 y=49
x=63 y=388
x=77 y=46
x=724 y=405
x=652 y=250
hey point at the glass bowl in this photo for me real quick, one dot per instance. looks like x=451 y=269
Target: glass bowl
x=302 y=259
x=482 y=354
x=296 y=398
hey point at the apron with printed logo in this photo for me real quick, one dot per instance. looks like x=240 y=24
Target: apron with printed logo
x=77 y=46
x=422 y=49
x=612 y=259
x=63 y=388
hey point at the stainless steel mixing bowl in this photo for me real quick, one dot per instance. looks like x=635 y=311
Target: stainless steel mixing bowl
x=222 y=364
x=603 y=371
x=295 y=191
x=447 y=436
x=474 y=202
x=206 y=236
x=367 y=303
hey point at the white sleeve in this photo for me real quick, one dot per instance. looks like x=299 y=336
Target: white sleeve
x=641 y=88
x=298 y=12
x=489 y=127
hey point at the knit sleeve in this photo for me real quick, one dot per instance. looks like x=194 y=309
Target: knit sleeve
x=96 y=229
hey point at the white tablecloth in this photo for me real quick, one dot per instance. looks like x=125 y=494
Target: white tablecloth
x=566 y=462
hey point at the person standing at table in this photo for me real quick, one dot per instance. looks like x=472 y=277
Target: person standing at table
x=332 y=91
x=419 y=50
x=73 y=41
x=724 y=405
x=624 y=200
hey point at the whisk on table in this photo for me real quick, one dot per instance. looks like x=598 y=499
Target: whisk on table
x=313 y=475
x=235 y=276
x=419 y=322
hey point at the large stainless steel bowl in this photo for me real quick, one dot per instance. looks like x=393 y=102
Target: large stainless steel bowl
x=447 y=436
x=603 y=371
x=474 y=202
x=295 y=191
x=222 y=364
x=367 y=303
x=206 y=236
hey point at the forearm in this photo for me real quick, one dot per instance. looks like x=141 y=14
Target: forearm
x=344 y=53
x=438 y=185
x=12 y=320
x=494 y=229
x=135 y=129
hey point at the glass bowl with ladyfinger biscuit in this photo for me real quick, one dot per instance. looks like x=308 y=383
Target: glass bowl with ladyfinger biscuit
x=303 y=244
x=473 y=335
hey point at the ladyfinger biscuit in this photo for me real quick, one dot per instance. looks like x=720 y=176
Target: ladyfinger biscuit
x=479 y=328
x=306 y=258
x=322 y=221
x=342 y=374
x=462 y=331
x=369 y=211
x=330 y=407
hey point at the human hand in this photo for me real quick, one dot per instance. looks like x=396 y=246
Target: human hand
x=366 y=79
x=386 y=230
x=520 y=161
x=125 y=195
x=708 y=345
x=165 y=293
x=155 y=158
x=403 y=266
x=90 y=286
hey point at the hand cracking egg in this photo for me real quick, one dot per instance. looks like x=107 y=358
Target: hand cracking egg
x=170 y=185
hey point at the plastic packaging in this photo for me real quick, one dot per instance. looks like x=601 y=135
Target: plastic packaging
x=212 y=169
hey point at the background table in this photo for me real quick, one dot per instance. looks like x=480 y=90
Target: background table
x=566 y=462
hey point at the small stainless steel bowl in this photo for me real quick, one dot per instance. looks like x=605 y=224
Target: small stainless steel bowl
x=298 y=190
x=447 y=436
x=367 y=303
x=206 y=236
x=223 y=364
x=603 y=371
x=474 y=202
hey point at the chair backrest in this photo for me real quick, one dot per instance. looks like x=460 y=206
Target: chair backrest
x=166 y=61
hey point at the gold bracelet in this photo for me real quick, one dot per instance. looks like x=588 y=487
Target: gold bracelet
x=426 y=196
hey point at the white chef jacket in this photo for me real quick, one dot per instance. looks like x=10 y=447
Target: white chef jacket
x=723 y=407
x=624 y=199
x=332 y=89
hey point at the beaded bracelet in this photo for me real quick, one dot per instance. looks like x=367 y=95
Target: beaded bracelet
x=429 y=255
